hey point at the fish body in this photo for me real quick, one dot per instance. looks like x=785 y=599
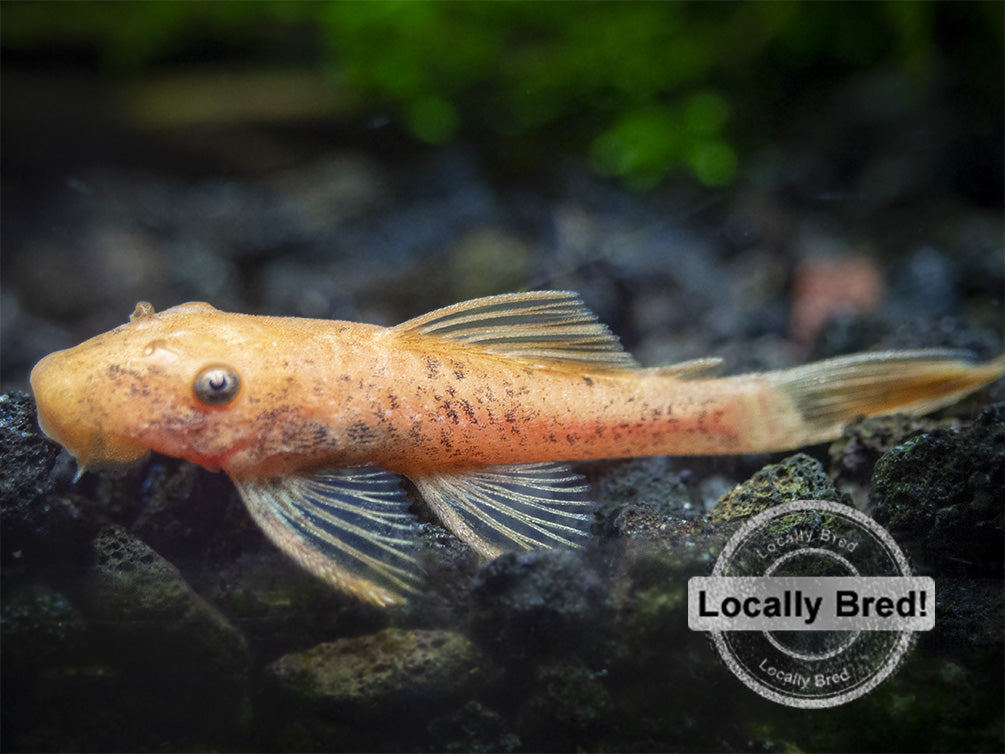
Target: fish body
x=479 y=404
x=316 y=393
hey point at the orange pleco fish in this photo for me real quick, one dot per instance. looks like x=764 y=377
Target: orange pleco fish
x=478 y=404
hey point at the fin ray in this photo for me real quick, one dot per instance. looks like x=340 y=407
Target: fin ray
x=498 y=507
x=829 y=394
x=349 y=527
x=549 y=326
x=692 y=369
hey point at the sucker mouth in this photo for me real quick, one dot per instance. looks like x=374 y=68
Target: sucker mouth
x=109 y=450
x=91 y=448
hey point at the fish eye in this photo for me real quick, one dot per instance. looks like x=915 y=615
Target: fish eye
x=216 y=385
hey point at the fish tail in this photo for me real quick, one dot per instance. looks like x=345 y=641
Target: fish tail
x=828 y=394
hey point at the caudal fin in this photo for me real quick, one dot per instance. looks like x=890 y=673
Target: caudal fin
x=829 y=394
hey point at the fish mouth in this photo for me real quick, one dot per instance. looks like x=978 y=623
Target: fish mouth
x=90 y=447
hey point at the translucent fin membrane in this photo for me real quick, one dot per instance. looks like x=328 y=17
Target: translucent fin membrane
x=350 y=527
x=829 y=394
x=501 y=507
x=539 y=326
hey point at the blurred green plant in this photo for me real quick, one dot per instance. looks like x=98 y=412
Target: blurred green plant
x=644 y=89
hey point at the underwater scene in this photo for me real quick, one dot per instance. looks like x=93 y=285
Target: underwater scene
x=386 y=376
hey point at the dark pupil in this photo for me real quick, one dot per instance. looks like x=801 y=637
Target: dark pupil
x=216 y=386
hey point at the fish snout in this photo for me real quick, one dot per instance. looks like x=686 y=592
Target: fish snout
x=51 y=392
x=68 y=414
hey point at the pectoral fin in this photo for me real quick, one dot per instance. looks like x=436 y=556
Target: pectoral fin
x=519 y=506
x=349 y=527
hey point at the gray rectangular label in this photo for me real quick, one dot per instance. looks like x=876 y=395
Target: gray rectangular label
x=845 y=603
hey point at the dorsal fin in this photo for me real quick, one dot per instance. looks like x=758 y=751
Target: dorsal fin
x=540 y=326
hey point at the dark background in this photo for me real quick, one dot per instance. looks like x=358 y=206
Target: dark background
x=767 y=182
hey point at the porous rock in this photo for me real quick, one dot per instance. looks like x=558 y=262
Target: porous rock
x=149 y=623
x=372 y=674
x=940 y=494
x=537 y=603
x=797 y=477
